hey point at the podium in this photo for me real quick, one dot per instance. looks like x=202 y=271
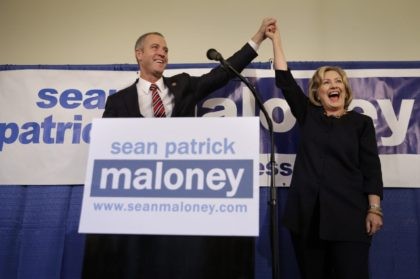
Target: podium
x=171 y=198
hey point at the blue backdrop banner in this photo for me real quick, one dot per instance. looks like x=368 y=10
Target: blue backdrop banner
x=46 y=113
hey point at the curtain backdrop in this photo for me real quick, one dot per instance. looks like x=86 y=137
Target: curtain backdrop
x=39 y=238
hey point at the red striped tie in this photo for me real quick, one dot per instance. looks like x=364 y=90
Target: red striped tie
x=158 y=108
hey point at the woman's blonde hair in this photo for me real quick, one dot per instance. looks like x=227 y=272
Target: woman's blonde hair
x=316 y=82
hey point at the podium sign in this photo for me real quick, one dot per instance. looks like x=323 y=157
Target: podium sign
x=172 y=176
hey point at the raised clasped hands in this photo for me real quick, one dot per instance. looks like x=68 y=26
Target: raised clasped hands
x=261 y=34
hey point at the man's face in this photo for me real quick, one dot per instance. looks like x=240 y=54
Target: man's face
x=153 y=57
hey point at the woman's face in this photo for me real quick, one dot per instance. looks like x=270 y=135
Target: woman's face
x=332 y=92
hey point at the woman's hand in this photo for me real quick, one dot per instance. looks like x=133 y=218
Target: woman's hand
x=374 y=223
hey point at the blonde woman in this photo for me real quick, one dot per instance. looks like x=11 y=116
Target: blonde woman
x=333 y=207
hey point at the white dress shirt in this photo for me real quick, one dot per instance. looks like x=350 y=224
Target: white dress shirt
x=145 y=97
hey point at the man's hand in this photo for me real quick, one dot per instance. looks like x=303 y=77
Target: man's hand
x=260 y=36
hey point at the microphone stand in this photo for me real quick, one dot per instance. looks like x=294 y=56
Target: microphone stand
x=274 y=232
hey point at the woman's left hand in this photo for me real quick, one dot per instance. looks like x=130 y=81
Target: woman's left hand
x=374 y=223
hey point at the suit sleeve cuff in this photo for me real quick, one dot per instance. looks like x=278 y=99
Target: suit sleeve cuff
x=253 y=45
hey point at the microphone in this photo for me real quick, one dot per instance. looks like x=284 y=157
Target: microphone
x=213 y=54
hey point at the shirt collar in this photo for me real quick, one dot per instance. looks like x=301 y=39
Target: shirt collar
x=145 y=85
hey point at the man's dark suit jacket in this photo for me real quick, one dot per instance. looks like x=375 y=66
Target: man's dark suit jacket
x=188 y=90
x=172 y=257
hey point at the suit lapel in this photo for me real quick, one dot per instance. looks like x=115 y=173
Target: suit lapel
x=131 y=100
x=175 y=88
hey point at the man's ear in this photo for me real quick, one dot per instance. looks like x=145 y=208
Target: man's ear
x=139 y=54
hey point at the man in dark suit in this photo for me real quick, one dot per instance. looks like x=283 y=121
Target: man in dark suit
x=170 y=257
x=179 y=93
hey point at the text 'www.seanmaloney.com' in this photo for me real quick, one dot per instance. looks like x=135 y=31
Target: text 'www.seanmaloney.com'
x=177 y=207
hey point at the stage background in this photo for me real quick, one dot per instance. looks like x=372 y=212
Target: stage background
x=38 y=224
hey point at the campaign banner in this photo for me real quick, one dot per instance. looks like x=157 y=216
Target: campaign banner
x=46 y=114
x=176 y=176
x=45 y=122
